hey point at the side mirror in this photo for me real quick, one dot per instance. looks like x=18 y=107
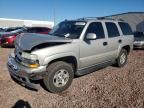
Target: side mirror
x=91 y=36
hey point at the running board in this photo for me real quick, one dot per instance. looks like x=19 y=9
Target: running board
x=94 y=68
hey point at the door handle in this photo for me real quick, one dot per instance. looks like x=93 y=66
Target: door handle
x=105 y=43
x=120 y=41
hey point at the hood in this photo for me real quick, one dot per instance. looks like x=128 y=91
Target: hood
x=30 y=40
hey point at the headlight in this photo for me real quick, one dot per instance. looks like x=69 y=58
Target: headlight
x=29 y=56
x=30 y=60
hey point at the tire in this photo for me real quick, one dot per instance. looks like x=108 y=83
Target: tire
x=58 y=77
x=122 y=58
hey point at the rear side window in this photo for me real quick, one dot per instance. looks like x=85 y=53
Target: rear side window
x=112 y=29
x=41 y=30
x=32 y=30
x=38 y=30
x=126 y=29
x=97 y=28
x=45 y=29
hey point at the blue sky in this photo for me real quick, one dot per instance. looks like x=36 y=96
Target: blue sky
x=66 y=9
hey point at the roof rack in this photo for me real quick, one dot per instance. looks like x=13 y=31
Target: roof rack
x=99 y=18
x=85 y=18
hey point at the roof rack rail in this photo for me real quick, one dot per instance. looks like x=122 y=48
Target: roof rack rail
x=100 y=18
x=105 y=18
x=84 y=18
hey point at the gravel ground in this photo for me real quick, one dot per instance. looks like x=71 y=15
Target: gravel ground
x=107 y=88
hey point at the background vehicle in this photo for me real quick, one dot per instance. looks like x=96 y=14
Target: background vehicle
x=75 y=47
x=8 y=36
x=1 y=30
x=138 y=40
x=40 y=30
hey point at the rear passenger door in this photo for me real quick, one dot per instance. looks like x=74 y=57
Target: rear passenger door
x=113 y=40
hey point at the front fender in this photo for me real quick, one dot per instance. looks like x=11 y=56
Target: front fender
x=48 y=59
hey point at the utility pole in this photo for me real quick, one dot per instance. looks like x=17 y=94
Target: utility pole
x=54 y=12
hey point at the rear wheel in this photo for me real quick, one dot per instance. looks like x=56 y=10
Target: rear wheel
x=122 y=58
x=59 y=76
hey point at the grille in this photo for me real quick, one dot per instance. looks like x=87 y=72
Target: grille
x=18 y=59
x=18 y=54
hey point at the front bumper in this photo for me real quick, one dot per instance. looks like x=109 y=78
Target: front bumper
x=139 y=44
x=24 y=75
x=4 y=43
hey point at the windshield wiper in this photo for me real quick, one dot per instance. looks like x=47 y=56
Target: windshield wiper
x=67 y=35
x=60 y=35
x=57 y=34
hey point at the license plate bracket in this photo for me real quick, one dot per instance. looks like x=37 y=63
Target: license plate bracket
x=12 y=65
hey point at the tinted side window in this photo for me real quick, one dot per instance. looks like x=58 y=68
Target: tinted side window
x=38 y=30
x=32 y=30
x=44 y=29
x=112 y=29
x=126 y=29
x=96 y=28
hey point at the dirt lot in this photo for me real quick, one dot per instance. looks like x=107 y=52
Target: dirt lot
x=107 y=88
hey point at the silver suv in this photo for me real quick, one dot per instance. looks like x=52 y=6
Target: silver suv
x=72 y=48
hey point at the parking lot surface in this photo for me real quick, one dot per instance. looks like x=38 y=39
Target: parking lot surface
x=110 y=87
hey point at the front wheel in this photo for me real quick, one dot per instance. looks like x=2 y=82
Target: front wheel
x=59 y=76
x=122 y=58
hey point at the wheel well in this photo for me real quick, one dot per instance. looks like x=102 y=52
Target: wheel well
x=68 y=59
x=127 y=48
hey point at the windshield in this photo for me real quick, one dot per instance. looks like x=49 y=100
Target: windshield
x=139 y=34
x=68 y=29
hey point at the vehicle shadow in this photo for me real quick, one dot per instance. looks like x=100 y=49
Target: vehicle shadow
x=21 y=104
x=42 y=85
x=7 y=47
x=138 y=49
